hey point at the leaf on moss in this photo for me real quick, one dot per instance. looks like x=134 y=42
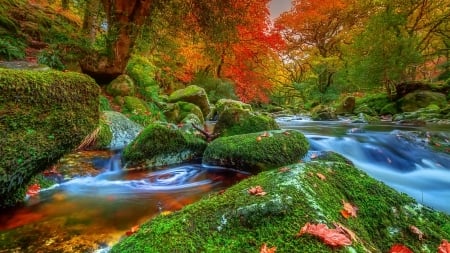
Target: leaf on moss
x=350 y=234
x=416 y=230
x=257 y=191
x=265 y=249
x=331 y=237
x=284 y=169
x=444 y=247
x=33 y=190
x=133 y=230
x=321 y=176
x=349 y=210
x=399 y=248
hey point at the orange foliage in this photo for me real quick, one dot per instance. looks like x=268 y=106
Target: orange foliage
x=257 y=191
x=444 y=247
x=265 y=249
x=399 y=248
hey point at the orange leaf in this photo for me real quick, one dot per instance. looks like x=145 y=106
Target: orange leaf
x=321 y=176
x=257 y=191
x=33 y=190
x=349 y=210
x=444 y=247
x=416 y=231
x=133 y=230
x=332 y=237
x=399 y=248
x=265 y=249
x=283 y=169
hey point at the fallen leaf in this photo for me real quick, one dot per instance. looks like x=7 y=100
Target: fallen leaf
x=284 y=169
x=416 y=231
x=257 y=191
x=444 y=247
x=33 y=190
x=265 y=249
x=349 y=210
x=399 y=248
x=345 y=230
x=265 y=134
x=258 y=138
x=133 y=230
x=321 y=176
x=332 y=237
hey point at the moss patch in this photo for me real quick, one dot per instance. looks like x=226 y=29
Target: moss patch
x=235 y=221
x=157 y=141
x=43 y=116
x=256 y=152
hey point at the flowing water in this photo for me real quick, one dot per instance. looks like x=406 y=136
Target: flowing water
x=92 y=212
x=389 y=152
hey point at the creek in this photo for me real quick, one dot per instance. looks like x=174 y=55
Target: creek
x=93 y=212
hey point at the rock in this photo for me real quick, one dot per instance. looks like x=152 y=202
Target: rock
x=192 y=94
x=322 y=112
x=234 y=121
x=176 y=112
x=123 y=130
x=236 y=221
x=163 y=144
x=256 y=152
x=45 y=114
x=347 y=105
x=224 y=104
x=420 y=99
x=122 y=86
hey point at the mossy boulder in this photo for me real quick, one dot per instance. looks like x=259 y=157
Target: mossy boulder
x=256 y=152
x=389 y=109
x=122 y=130
x=163 y=144
x=234 y=121
x=176 y=112
x=192 y=94
x=224 y=104
x=44 y=114
x=236 y=221
x=322 y=112
x=420 y=99
x=122 y=86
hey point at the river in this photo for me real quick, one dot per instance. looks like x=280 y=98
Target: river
x=93 y=212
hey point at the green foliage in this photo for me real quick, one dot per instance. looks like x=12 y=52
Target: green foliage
x=375 y=102
x=104 y=104
x=51 y=58
x=215 y=88
x=11 y=48
x=143 y=72
x=383 y=52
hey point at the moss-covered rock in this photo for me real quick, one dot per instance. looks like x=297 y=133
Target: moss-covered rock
x=390 y=108
x=192 y=94
x=420 y=99
x=176 y=112
x=224 y=104
x=233 y=121
x=162 y=144
x=122 y=86
x=257 y=152
x=322 y=112
x=236 y=221
x=44 y=115
x=347 y=105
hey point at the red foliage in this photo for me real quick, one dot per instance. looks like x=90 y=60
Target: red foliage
x=33 y=190
x=399 y=248
x=331 y=237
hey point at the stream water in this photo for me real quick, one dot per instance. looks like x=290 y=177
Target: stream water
x=93 y=212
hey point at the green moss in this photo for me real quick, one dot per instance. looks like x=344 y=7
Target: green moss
x=104 y=136
x=235 y=121
x=236 y=221
x=371 y=104
x=44 y=115
x=104 y=104
x=192 y=94
x=158 y=140
x=254 y=153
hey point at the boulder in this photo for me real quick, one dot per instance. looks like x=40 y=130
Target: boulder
x=192 y=94
x=122 y=86
x=234 y=121
x=322 y=112
x=290 y=198
x=256 y=152
x=176 y=112
x=122 y=130
x=420 y=99
x=163 y=144
x=44 y=115
x=224 y=104
x=347 y=105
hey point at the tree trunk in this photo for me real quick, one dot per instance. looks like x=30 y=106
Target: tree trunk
x=124 y=19
x=91 y=12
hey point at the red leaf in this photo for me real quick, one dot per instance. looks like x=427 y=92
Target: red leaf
x=349 y=210
x=444 y=247
x=399 y=248
x=332 y=237
x=265 y=249
x=33 y=190
x=133 y=230
x=257 y=191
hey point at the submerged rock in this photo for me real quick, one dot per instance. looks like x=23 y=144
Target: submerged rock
x=237 y=221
